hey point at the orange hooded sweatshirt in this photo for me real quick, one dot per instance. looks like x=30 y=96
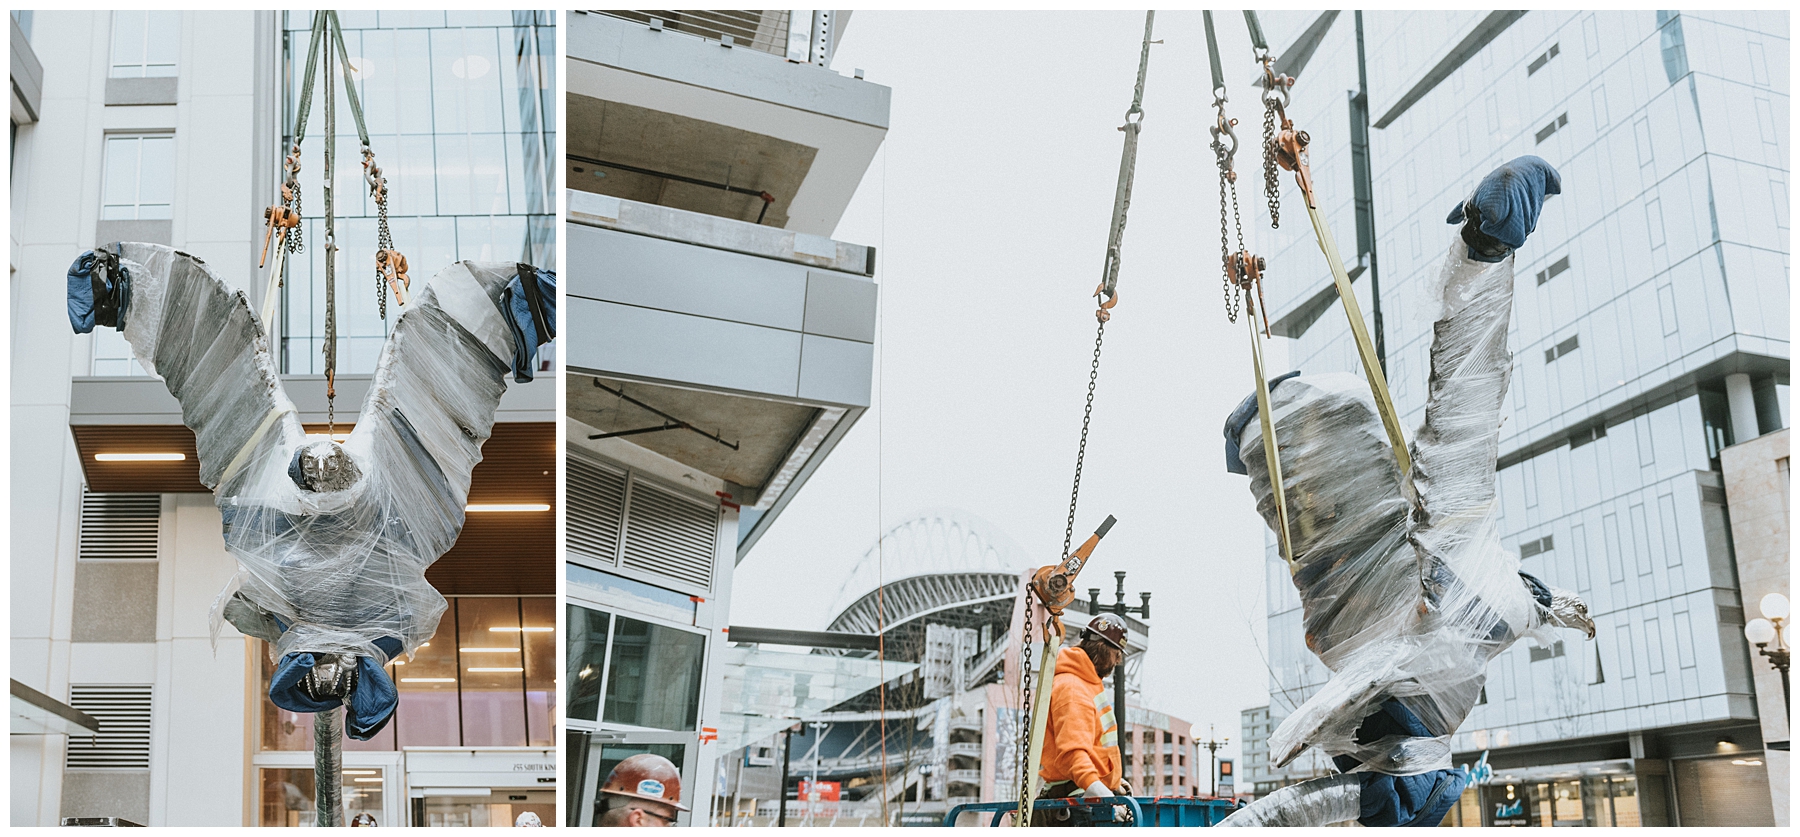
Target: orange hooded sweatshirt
x=1081 y=739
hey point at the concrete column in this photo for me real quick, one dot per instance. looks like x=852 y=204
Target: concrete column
x=1742 y=400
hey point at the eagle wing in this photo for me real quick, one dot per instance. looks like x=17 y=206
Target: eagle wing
x=431 y=404
x=202 y=337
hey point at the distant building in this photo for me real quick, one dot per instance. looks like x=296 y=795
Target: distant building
x=1650 y=332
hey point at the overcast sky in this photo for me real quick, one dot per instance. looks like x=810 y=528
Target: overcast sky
x=989 y=204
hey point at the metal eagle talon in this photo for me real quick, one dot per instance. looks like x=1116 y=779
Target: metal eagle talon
x=332 y=677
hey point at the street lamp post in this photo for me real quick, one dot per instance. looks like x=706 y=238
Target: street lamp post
x=1095 y=608
x=1212 y=747
x=1763 y=631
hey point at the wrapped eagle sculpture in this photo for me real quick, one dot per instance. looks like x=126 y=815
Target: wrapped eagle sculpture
x=332 y=540
x=1406 y=589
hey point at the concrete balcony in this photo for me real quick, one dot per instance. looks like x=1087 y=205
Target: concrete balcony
x=966 y=749
x=763 y=337
x=965 y=777
x=678 y=116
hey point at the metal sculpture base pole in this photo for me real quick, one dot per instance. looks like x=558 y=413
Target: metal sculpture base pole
x=328 y=766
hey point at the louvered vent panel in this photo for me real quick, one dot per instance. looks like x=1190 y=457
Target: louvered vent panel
x=596 y=509
x=671 y=536
x=120 y=526
x=124 y=739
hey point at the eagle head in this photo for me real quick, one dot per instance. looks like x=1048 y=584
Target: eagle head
x=323 y=466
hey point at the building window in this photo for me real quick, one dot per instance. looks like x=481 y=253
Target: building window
x=139 y=179
x=287 y=795
x=144 y=44
x=1545 y=132
x=628 y=671
x=1539 y=62
x=461 y=112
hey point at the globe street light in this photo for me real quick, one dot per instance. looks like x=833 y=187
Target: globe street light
x=1761 y=632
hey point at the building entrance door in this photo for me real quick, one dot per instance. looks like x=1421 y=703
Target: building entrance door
x=498 y=807
x=609 y=747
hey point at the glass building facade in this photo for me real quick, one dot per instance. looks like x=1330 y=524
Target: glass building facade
x=461 y=116
x=1659 y=271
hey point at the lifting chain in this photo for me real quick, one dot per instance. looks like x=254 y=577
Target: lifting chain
x=390 y=265
x=1271 y=170
x=1023 y=816
x=1107 y=296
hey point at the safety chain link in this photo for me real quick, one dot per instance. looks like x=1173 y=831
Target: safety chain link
x=384 y=239
x=290 y=194
x=1023 y=816
x=1087 y=416
x=1271 y=169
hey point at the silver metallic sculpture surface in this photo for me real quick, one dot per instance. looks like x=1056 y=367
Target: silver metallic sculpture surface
x=1407 y=591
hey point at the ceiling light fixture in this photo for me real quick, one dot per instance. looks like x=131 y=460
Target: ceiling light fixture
x=139 y=457
x=507 y=507
x=528 y=630
x=376 y=779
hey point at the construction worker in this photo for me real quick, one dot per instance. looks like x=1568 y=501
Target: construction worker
x=1081 y=738
x=642 y=791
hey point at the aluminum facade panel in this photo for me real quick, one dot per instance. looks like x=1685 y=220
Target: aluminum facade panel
x=836 y=371
x=682 y=278
x=660 y=345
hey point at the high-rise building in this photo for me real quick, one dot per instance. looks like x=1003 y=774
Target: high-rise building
x=721 y=344
x=1649 y=331
x=169 y=127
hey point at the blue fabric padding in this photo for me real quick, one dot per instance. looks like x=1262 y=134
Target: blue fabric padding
x=1509 y=200
x=371 y=704
x=1419 y=800
x=530 y=329
x=81 y=293
x=1238 y=420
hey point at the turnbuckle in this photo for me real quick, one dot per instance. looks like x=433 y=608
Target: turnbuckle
x=390 y=265
x=279 y=219
x=1245 y=270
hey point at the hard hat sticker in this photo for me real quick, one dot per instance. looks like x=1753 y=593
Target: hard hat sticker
x=650 y=787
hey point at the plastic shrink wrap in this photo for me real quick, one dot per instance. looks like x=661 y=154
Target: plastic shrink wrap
x=1406 y=590
x=332 y=541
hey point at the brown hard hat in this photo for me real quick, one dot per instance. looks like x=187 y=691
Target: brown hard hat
x=646 y=776
x=1110 y=628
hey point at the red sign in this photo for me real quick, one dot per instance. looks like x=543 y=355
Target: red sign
x=828 y=791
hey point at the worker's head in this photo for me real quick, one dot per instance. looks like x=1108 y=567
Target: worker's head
x=1104 y=642
x=643 y=790
x=637 y=814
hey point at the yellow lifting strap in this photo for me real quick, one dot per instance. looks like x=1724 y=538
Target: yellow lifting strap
x=1270 y=448
x=1040 y=715
x=1288 y=149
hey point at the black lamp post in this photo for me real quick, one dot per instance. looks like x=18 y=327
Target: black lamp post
x=1763 y=631
x=1119 y=607
x=1212 y=747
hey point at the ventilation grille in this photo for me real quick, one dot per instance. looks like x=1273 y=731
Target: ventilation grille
x=117 y=527
x=670 y=536
x=124 y=739
x=1537 y=547
x=764 y=31
x=596 y=510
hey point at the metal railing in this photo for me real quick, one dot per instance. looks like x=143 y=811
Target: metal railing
x=802 y=36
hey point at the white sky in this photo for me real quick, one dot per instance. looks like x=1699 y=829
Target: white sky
x=989 y=204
